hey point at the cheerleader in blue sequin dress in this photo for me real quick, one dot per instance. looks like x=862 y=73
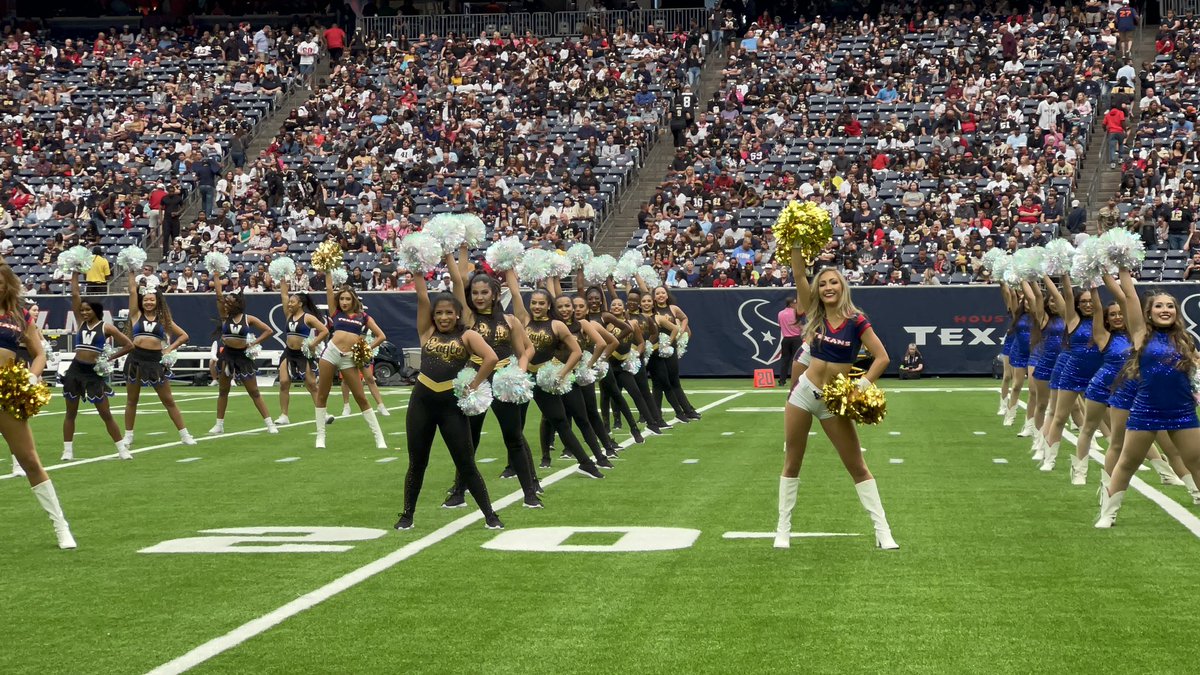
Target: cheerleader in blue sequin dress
x=1014 y=309
x=1018 y=357
x=1163 y=359
x=1046 y=340
x=1079 y=361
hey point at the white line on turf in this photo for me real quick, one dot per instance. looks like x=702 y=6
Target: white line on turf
x=795 y=535
x=286 y=460
x=187 y=460
x=726 y=433
x=1172 y=507
x=981 y=433
x=895 y=460
x=691 y=461
x=262 y=624
x=756 y=410
x=385 y=460
x=1000 y=460
x=486 y=460
x=893 y=433
x=156 y=433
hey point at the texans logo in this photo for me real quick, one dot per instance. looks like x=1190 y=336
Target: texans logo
x=762 y=331
x=1189 y=307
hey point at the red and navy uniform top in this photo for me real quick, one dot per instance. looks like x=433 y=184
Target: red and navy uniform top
x=840 y=344
x=349 y=323
x=11 y=331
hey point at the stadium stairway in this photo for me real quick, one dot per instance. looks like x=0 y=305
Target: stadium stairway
x=1104 y=182
x=615 y=238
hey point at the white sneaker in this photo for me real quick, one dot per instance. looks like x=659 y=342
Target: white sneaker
x=271 y=428
x=346 y=410
x=383 y=410
x=187 y=439
x=67 y=456
x=216 y=430
x=282 y=419
x=18 y=470
x=123 y=451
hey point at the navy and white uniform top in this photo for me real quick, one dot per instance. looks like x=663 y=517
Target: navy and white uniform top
x=11 y=332
x=840 y=344
x=91 y=338
x=298 y=328
x=235 y=329
x=144 y=328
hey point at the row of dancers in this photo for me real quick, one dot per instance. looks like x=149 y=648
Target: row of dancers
x=1124 y=369
x=597 y=325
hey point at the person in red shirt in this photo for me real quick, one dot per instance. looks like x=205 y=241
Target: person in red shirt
x=1030 y=212
x=156 y=209
x=1114 y=124
x=723 y=281
x=335 y=42
x=854 y=128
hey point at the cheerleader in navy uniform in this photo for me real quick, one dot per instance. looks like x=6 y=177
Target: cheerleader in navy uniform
x=233 y=363
x=349 y=322
x=305 y=331
x=15 y=326
x=82 y=381
x=1018 y=359
x=446 y=348
x=150 y=323
x=505 y=334
x=1163 y=360
x=1046 y=341
x=1079 y=361
x=551 y=338
x=836 y=331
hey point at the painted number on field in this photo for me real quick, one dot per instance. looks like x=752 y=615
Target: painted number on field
x=632 y=539
x=269 y=540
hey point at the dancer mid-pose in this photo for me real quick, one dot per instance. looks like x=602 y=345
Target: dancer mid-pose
x=1047 y=339
x=233 y=364
x=664 y=305
x=620 y=379
x=1079 y=361
x=82 y=381
x=595 y=346
x=15 y=327
x=1163 y=359
x=835 y=332
x=304 y=329
x=1019 y=358
x=647 y=330
x=506 y=336
x=150 y=322
x=446 y=348
x=350 y=322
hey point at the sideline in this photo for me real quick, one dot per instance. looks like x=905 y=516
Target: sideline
x=262 y=624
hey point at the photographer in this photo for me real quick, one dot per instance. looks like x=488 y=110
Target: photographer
x=912 y=364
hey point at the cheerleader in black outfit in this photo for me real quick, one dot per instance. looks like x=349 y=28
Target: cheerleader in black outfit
x=664 y=305
x=657 y=365
x=150 y=323
x=446 y=348
x=82 y=381
x=505 y=334
x=304 y=328
x=550 y=338
x=233 y=365
x=629 y=333
x=647 y=328
x=597 y=350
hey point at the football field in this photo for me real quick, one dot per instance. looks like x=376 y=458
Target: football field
x=257 y=553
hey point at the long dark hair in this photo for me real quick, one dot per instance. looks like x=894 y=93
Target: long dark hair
x=480 y=277
x=306 y=304
x=549 y=301
x=446 y=297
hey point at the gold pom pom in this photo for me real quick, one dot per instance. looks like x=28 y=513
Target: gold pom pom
x=328 y=256
x=843 y=397
x=804 y=226
x=361 y=353
x=18 y=397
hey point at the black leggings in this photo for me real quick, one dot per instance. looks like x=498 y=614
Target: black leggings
x=787 y=353
x=642 y=379
x=554 y=414
x=662 y=385
x=577 y=410
x=428 y=413
x=619 y=380
x=593 y=414
x=511 y=419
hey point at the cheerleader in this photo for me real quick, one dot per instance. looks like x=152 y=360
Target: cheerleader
x=552 y=339
x=1108 y=333
x=647 y=329
x=836 y=330
x=304 y=332
x=366 y=375
x=233 y=363
x=664 y=305
x=349 y=322
x=82 y=381
x=1079 y=362
x=1163 y=360
x=619 y=378
x=15 y=326
x=150 y=325
x=593 y=329
x=1005 y=350
x=505 y=335
x=658 y=365
x=446 y=348
x=1019 y=358
x=593 y=349
x=1046 y=342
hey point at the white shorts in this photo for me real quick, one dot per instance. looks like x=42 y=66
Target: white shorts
x=340 y=360
x=805 y=356
x=807 y=397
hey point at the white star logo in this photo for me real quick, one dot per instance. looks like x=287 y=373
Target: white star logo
x=768 y=337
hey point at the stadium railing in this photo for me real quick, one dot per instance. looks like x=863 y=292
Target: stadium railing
x=542 y=24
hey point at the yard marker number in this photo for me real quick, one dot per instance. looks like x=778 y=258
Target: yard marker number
x=283 y=539
x=632 y=539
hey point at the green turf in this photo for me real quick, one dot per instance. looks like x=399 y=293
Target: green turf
x=1000 y=568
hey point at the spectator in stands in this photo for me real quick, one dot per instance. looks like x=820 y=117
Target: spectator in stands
x=1077 y=219
x=1114 y=126
x=912 y=364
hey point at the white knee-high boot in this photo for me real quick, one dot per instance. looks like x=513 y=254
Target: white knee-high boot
x=1109 y=506
x=1050 y=455
x=322 y=415
x=1079 y=470
x=868 y=494
x=787 y=501
x=1193 y=491
x=48 y=498
x=1165 y=473
x=373 y=425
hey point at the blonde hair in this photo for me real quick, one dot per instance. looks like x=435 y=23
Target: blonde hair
x=817 y=314
x=1177 y=333
x=10 y=295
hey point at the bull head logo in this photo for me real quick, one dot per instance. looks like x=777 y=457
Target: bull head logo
x=762 y=331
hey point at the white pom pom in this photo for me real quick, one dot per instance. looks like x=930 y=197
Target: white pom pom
x=476 y=231
x=1123 y=249
x=216 y=263
x=447 y=230
x=421 y=251
x=510 y=384
x=339 y=277
x=505 y=254
x=1057 y=260
x=549 y=378
x=632 y=365
x=75 y=260
x=131 y=258
x=535 y=266
x=580 y=255
x=281 y=268
x=599 y=269
x=560 y=265
x=253 y=351
x=649 y=275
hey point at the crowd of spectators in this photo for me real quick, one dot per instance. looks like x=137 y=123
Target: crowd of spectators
x=103 y=141
x=929 y=138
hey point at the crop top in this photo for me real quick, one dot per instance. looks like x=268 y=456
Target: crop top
x=541 y=334
x=442 y=356
x=349 y=323
x=234 y=329
x=90 y=338
x=144 y=328
x=624 y=337
x=840 y=344
x=297 y=327
x=11 y=332
x=494 y=330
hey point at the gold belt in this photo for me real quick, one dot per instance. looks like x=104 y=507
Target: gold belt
x=478 y=360
x=619 y=356
x=534 y=367
x=435 y=386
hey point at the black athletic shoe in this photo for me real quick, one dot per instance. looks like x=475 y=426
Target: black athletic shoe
x=454 y=500
x=546 y=464
x=589 y=470
x=637 y=436
x=537 y=487
x=617 y=424
x=683 y=419
x=566 y=455
x=492 y=522
x=405 y=522
x=655 y=429
x=330 y=419
x=603 y=462
x=694 y=415
x=508 y=473
x=533 y=502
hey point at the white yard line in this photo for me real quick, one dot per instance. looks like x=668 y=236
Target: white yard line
x=262 y=624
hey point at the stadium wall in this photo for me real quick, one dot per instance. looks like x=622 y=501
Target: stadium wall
x=958 y=329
